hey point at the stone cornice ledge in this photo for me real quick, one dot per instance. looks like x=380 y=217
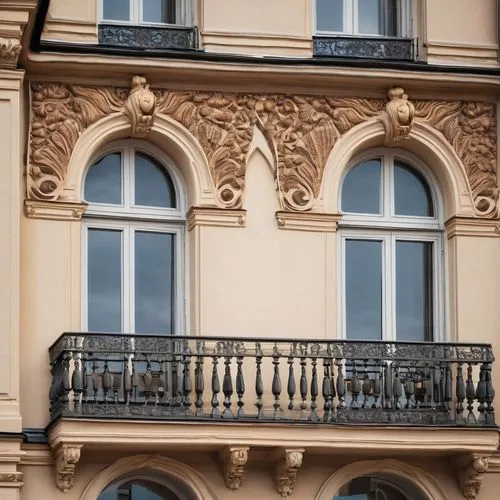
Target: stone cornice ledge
x=472 y=226
x=308 y=221
x=213 y=216
x=50 y=210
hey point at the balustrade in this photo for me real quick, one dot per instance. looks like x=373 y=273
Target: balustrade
x=268 y=380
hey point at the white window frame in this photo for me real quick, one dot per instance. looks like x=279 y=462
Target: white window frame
x=350 y=21
x=183 y=8
x=389 y=228
x=130 y=218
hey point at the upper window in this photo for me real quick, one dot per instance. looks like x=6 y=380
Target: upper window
x=140 y=489
x=391 y=246
x=363 y=17
x=145 y=11
x=134 y=239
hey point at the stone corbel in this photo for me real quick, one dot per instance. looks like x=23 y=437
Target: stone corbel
x=66 y=458
x=471 y=469
x=286 y=470
x=140 y=107
x=233 y=460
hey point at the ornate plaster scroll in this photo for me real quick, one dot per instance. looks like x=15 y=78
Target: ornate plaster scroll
x=10 y=49
x=286 y=471
x=471 y=471
x=302 y=131
x=140 y=107
x=67 y=456
x=233 y=460
x=470 y=128
x=223 y=124
x=399 y=115
x=60 y=113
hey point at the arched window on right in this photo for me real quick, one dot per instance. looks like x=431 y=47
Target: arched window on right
x=391 y=251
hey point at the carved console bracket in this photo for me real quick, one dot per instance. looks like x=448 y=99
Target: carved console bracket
x=286 y=470
x=233 y=460
x=300 y=130
x=471 y=469
x=66 y=458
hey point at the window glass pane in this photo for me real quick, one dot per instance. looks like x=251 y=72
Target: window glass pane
x=361 y=188
x=330 y=15
x=158 y=11
x=363 y=275
x=414 y=272
x=138 y=490
x=154 y=282
x=116 y=10
x=370 y=16
x=153 y=187
x=104 y=280
x=103 y=182
x=411 y=193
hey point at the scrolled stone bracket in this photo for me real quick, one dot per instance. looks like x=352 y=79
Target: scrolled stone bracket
x=286 y=470
x=233 y=460
x=66 y=458
x=471 y=469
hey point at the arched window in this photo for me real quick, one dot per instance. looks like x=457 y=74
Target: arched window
x=134 y=240
x=378 y=488
x=138 y=489
x=391 y=251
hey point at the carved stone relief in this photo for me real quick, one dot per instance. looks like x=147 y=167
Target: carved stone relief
x=10 y=49
x=471 y=470
x=301 y=132
x=286 y=471
x=67 y=456
x=233 y=460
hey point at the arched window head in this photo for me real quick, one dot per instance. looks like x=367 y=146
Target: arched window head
x=391 y=250
x=134 y=240
x=138 y=489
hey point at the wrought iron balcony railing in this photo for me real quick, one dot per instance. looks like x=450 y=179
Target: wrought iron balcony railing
x=398 y=49
x=271 y=380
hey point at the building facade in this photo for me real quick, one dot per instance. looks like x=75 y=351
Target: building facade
x=250 y=249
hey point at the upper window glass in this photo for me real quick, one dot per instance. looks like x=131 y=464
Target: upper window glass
x=138 y=490
x=145 y=11
x=363 y=17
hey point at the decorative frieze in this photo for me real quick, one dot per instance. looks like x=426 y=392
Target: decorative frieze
x=11 y=479
x=286 y=471
x=233 y=460
x=300 y=130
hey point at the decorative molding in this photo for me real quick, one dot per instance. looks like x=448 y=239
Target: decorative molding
x=233 y=460
x=11 y=479
x=10 y=49
x=365 y=47
x=300 y=130
x=471 y=469
x=140 y=107
x=399 y=116
x=472 y=226
x=66 y=456
x=470 y=128
x=308 y=221
x=286 y=471
x=35 y=209
x=212 y=216
x=148 y=37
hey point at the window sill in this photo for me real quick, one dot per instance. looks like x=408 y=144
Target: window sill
x=399 y=49
x=148 y=37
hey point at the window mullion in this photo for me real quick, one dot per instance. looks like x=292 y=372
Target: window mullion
x=352 y=16
x=137 y=11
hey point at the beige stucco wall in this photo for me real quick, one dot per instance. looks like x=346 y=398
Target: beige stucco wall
x=461 y=32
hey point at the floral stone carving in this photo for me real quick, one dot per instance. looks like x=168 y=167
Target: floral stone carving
x=233 y=460
x=471 y=471
x=286 y=471
x=67 y=456
x=301 y=131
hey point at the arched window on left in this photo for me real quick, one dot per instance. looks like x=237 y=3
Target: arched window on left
x=133 y=243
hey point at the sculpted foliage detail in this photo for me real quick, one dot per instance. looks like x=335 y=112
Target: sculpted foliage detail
x=301 y=132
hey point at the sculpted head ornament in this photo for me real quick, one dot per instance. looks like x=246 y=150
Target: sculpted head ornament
x=140 y=107
x=399 y=115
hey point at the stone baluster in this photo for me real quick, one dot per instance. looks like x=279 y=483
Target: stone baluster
x=291 y=383
x=187 y=385
x=199 y=385
x=327 y=391
x=470 y=393
x=367 y=384
x=490 y=394
x=215 y=388
x=259 y=387
x=460 y=393
x=227 y=388
x=314 y=391
x=240 y=387
x=397 y=388
x=303 y=388
x=77 y=384
x=355 y=386
x=276 y=387
x=340 y=384
x=388 y=385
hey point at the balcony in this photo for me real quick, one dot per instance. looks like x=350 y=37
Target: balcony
x=328 y=383
x=384 y=48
